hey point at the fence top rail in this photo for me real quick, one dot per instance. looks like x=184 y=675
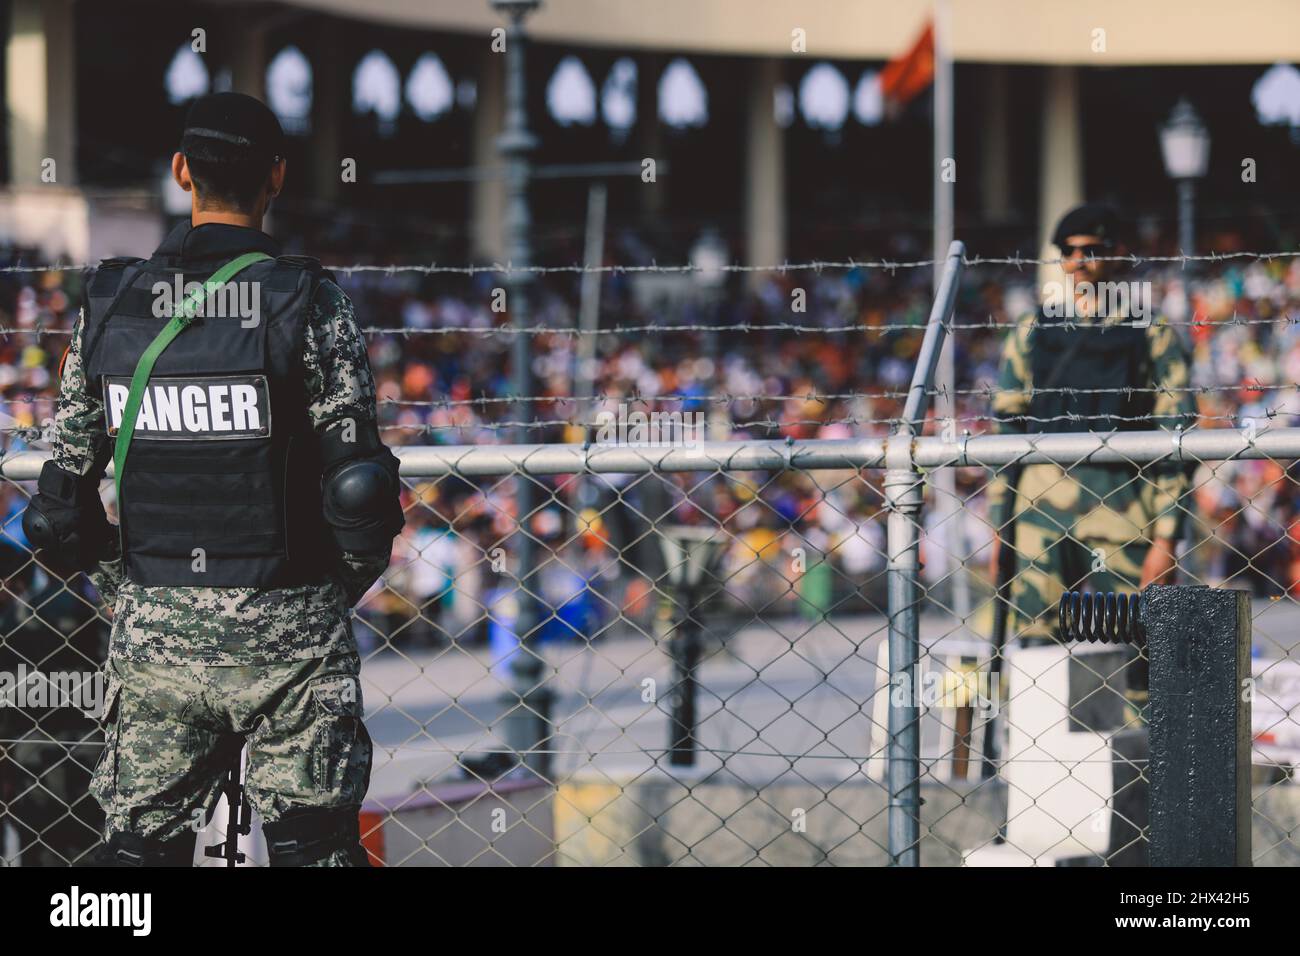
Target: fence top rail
x=993 y=451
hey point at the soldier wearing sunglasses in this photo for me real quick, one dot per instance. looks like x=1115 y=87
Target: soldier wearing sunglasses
x=1087 y=361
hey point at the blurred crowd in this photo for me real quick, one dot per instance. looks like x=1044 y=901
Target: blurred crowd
x=797 y=542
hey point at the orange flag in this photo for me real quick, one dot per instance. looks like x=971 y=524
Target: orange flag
x=904 y=77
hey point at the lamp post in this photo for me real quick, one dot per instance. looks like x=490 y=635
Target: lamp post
x=1185 y=145
x=690 y=556
x=528 y=702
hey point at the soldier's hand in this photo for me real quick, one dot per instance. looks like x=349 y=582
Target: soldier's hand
x=1160 y=563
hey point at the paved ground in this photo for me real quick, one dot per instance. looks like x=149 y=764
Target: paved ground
x=778 y=700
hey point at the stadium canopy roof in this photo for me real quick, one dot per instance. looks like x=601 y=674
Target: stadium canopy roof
x=997 y=31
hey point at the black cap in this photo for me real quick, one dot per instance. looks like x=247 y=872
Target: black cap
x=1090 y=219
x=232 y=127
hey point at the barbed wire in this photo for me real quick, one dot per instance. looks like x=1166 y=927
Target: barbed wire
x=1171 y=418
x=815 y=266
x=990 y=390
x=724 y=397
x=800 y=328
x=570 y=331
x=812 y=265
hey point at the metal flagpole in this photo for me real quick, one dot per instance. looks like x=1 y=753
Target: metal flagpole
x=949 y=548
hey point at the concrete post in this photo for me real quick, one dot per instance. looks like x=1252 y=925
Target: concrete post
x=1060 y=160
x=40 y=91
x=488 y=195
x=764 y=171
x=1198 y=642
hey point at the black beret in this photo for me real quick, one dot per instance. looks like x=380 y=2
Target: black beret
x=1090 y=219
x=232 y=127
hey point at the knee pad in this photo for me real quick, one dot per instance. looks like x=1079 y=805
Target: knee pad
x=306 y=836
x=131 y=850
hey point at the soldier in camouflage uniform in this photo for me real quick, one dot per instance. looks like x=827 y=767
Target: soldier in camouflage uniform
x=195 y=671
x=1103 y=364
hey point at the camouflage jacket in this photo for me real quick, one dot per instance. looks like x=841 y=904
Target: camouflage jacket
x=1123 y=502
x=235 y=626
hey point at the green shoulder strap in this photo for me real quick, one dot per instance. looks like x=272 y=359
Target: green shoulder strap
x=182 y=319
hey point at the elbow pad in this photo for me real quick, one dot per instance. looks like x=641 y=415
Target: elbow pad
x=361 y=493
x=66 y=518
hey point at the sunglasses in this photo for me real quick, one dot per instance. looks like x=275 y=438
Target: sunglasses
x=1089 y=250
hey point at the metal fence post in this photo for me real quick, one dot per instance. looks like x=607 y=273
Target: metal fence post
x=903 y=499
x=1198 y=640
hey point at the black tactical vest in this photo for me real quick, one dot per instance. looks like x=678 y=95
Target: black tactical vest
x=222 y=482
x=1099 y=361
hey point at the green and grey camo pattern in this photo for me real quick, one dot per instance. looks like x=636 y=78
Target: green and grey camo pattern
x=234 y=626
x=166 y=729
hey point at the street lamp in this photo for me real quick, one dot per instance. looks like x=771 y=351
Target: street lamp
x=1185 y=145
x=691 y=555
x=527 y=724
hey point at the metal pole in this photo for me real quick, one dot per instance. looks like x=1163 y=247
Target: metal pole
x=978 y=451
x=943 y=136
x=927 y=360
x=584 y=353
x=948 y=539
x=526 y=722
x=1186 y=216
x=686 y=658
x=903 y=498
x=589 y=315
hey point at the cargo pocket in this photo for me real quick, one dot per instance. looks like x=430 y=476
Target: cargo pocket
x=337 y=735
x=103 y=780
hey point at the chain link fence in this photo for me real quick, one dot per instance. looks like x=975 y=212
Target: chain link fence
x=757 y=626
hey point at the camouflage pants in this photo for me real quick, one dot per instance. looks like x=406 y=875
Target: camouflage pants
x=169 y=729
x=1059 y=549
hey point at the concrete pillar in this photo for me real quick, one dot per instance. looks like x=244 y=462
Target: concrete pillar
x=330 y=98
x=40 y=91
x=1060 y=159
x=248 y=57
x=764 y=200
x=995 y=146
x=649 y=135
x=488 y=196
